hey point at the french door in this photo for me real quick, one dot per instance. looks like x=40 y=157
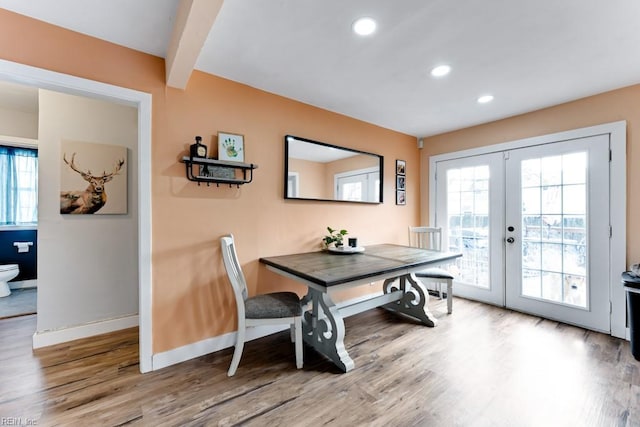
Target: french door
x=533 y=226
x=470 y=200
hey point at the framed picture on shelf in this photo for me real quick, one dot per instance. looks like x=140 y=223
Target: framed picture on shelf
x=400 y=180
x=401 y=166
x=401 y=197
x=230 y=147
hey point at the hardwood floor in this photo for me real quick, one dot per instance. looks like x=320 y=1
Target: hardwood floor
x=482 y=366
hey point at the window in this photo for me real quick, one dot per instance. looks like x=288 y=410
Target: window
x=18 y=186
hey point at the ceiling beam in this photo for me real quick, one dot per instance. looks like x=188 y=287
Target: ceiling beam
x=194 y=20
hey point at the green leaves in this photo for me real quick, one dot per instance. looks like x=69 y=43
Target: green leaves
x=335 y=237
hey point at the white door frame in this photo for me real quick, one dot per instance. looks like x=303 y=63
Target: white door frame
x=45 y=79
x=617 y=132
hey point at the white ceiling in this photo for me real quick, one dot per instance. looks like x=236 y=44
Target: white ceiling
x=528 y=54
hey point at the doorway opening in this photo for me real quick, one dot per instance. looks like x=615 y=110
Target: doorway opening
x=67 y=84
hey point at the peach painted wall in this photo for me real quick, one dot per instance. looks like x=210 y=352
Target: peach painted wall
x=192 y=300
x=621 y=104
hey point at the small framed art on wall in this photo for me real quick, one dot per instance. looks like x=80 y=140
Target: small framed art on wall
x=230 y=147
x=401 y=179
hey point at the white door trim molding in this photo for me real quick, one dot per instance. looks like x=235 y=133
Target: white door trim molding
x=46 y=79
x=617 y=132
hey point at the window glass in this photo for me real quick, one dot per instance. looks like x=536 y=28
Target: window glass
x=18 y=186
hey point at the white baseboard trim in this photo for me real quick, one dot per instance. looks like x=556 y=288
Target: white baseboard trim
x=211 y=345
x=23 y=284
x=58 y=336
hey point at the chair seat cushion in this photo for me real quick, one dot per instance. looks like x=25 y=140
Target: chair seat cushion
x=273 y=305
x=435 y=273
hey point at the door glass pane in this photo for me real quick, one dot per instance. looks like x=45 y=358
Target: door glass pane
x=551 y=199
x=573 y=199
x=531 y=255
x=551 y=170
x=468 y=222
x=554 y=247
x=552 y=286
x=531 y=173
x=531 y=282
x=532 y=227
x=351 y=191
x=531 y=200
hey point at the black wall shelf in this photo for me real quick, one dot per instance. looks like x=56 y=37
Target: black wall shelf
x=199 y=169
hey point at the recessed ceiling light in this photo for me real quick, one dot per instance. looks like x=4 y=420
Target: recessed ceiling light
x=440 y=70
x=364 y=26
x=485 y=98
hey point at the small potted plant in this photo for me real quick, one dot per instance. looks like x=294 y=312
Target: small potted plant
x=334 y=237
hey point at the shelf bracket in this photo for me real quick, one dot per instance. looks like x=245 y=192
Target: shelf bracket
x=191 y=162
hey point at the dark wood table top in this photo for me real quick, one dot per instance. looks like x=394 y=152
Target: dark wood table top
x=331 y=269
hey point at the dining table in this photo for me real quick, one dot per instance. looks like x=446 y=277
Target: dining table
x=329 y=271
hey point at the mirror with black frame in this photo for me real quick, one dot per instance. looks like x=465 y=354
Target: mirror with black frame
x=318 y=171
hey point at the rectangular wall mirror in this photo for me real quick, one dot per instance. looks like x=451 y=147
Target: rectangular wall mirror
x=318 y=171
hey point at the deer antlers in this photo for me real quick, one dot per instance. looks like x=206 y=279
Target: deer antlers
x=88 y=175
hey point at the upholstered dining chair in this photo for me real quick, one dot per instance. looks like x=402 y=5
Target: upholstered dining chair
x=431 y=238
x=265 y=309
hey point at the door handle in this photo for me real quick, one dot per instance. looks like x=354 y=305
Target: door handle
x=510 y=240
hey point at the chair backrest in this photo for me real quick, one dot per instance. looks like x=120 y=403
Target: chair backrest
x=426 y=238
x=234 y=272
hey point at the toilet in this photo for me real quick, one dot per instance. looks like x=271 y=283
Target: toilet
x=7 y=272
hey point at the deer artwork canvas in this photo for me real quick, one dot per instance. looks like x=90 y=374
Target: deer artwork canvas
x=93 y=178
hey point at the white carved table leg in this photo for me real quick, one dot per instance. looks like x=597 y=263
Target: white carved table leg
x=414 y=299
x=323 y=329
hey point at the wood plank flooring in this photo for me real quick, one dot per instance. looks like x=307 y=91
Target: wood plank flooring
x=482 y=366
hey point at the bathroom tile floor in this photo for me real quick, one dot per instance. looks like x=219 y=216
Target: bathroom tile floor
x=19 y=303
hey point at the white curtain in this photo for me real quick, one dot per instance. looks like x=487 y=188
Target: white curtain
x=18 y=186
